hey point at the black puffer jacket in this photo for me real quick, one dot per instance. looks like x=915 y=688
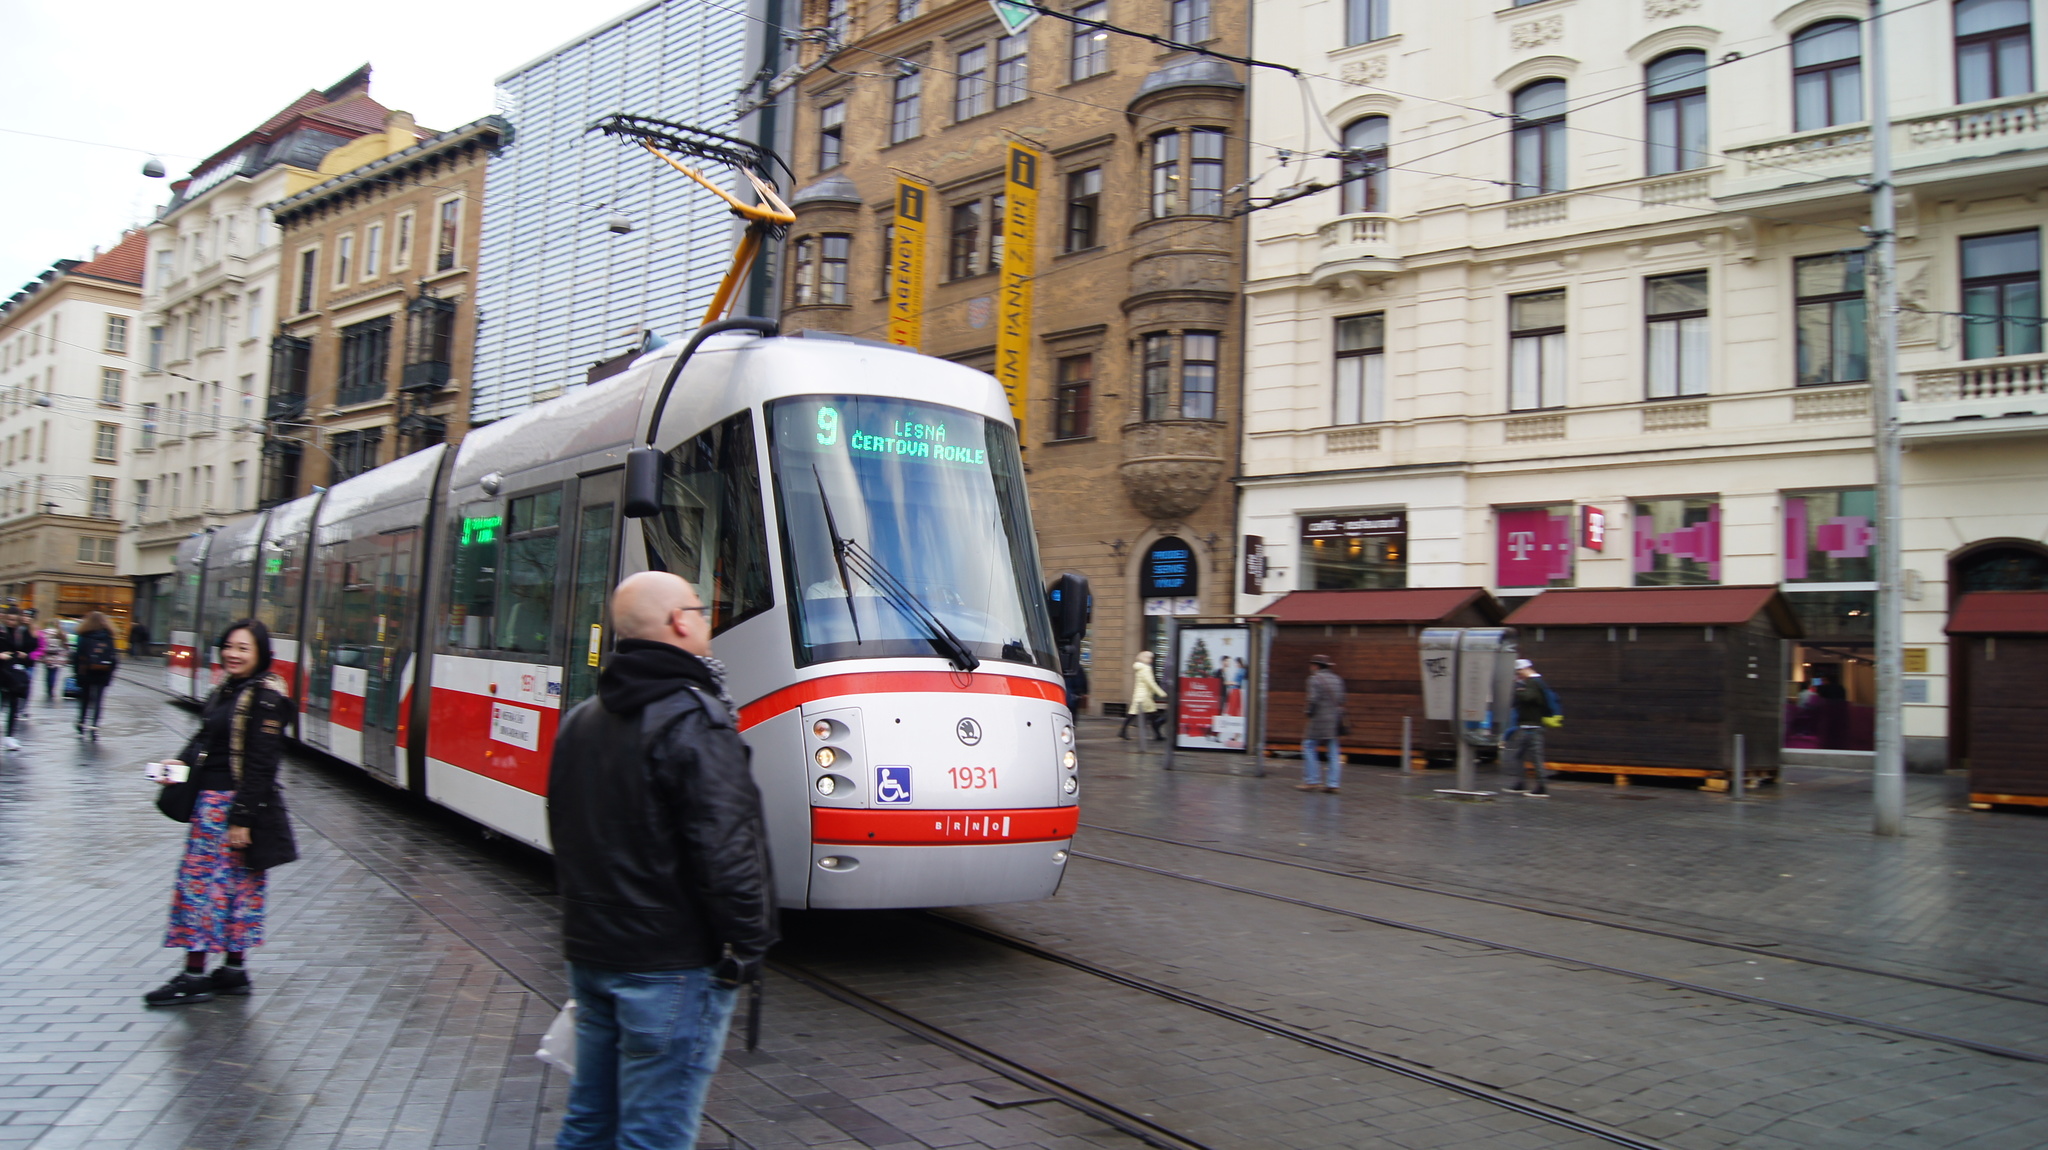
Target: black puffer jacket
x=246 y=761
x=660 y=849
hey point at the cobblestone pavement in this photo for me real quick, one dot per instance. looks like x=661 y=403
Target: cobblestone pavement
x=413 y=966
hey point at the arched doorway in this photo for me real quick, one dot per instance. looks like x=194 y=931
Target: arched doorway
x=1989 y=565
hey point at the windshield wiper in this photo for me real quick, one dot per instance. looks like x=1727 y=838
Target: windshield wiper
x=853 y=559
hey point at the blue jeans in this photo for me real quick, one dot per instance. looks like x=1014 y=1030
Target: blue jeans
x=1311 y=770
x=647 y=1044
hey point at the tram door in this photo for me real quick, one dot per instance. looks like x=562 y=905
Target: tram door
x=595 y=573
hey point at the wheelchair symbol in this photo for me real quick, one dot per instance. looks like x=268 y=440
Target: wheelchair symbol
x=892 y=785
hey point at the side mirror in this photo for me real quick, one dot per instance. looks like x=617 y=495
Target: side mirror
x=1071 y=605
x=643 y=483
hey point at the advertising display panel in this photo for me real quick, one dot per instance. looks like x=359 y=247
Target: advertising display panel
x=1213 y=666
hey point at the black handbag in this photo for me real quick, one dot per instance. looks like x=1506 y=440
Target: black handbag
x=176 y=800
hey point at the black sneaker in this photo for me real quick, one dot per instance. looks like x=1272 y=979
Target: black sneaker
x=230 y=980
x=184 y=989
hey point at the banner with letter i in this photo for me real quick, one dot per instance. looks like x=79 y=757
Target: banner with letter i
x=906 y=265
x=1013 y=290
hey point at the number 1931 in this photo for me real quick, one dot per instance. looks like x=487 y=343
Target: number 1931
x=973 y=778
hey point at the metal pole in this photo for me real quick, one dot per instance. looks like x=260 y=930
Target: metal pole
x=1407 y=743
x=1467 y=776
x=1888 y=782
x=1172 y=692
x=1740 y=755
x=1262 y=636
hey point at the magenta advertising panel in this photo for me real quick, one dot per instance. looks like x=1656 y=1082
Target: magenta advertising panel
x=1535 y=546
x=1829 y=535
x=1698 y=542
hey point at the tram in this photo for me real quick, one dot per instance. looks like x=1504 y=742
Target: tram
x=852 y=513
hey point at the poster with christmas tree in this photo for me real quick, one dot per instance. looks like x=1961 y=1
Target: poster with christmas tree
x=1209 y=702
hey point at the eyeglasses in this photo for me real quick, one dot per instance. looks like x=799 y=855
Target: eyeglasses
x=705 y=611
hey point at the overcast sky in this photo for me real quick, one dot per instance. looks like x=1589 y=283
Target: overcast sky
x=183 y=81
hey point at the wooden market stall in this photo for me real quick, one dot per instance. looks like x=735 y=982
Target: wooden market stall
x=1998 y=665
x=1660 y=680
x=1371 y=636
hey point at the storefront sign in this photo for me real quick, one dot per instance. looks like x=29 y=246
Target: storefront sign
x=1592 y=529
x=1168 y=571
x=1013 y=296
x=1255 y=565
x=906 y=265
x=1354 y=526
x=1534 y=548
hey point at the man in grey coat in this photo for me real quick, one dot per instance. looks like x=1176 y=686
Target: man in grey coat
x=1325 y=712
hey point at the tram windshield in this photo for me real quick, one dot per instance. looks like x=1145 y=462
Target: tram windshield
x=932 y=501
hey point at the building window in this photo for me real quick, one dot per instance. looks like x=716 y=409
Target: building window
x=1158 y=376
x=831 y=135
x=117 y=335
x=885 y=267
x=803 y=274
x=1084 y=203
x=355 y=452
x=95 y=549
x=995 y=234
x=1354 y=551
x=1536 y=351
x=1013 y=68
x=373 y=250
x=1677 y=542
x=1190 y=21
x=1361 y=393
x=1829 y=313
x=906 y=105
x=142 y=501
x=836 y=21
x=112 y=381
x=365 y=348
x=238 y=484
x=156 y=349
x=446 y=234
x=832 y=261
x=906 y=11
x=401 y=249
x=963 y=237
x=1994 y=49
x=1533 y=546
x=2002 y=294
x=166 y=268
x=970 y=85
x=1831 y=536
x=1165 y=174
x=1539 y=139
x=344 y=259
x=1676 y=89
x=309 y=261
x=1090 y=46
x=1827 y=75
x=106 y=442
x=1198 y=375
x=1676 y=310
x=1074 y=397
x=1364 y=20
x=102 y=499
x=149 y=416
x=1365 y=166
x=1205 y=172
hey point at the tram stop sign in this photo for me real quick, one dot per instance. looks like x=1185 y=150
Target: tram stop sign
x=1015 y=17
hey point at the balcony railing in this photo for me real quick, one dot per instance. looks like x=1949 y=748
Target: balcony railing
x=1977 y=397
x=285 y=407
x=425 y=376
x=2014 y=126
x=1357 y=247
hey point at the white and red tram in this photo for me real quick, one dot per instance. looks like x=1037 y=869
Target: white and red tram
x=853 y=513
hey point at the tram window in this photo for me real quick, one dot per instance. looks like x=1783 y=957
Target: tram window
x=527 y=585
x=711 y=530
x=473 y=587
x=283 y=578
x=586 y=608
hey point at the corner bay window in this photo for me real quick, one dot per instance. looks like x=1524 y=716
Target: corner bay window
x=818 y=269
x=1361 y=387
x=2002 y=294
x=1829 y=313
x=1676 y=310
x=1205 y=172
x=900 y=484
x=1158 y=376
x=1536 y=324
x=1165 y=174
x=1198 y=375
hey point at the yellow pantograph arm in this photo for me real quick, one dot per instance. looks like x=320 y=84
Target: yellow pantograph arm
x=770 y=211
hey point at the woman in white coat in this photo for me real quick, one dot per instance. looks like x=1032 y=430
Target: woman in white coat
x=1145 y=697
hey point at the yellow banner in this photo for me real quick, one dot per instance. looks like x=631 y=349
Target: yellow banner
x=906 y=265
x=1013 y=290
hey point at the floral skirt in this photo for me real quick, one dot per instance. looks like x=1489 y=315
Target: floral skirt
x=217 y=903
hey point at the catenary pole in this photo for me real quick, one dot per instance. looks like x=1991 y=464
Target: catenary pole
x=1888 y=782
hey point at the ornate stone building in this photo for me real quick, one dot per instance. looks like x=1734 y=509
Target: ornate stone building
x=373 y=358
x=1130 y=399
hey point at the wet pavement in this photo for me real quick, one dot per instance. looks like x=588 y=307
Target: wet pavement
x=1559 y=954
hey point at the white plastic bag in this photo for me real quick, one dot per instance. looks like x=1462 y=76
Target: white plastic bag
x=558 y=1045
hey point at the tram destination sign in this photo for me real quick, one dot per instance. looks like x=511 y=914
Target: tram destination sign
x=906 y=435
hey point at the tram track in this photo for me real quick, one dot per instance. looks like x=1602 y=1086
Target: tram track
x=1821 y=1013
x=1587 y=920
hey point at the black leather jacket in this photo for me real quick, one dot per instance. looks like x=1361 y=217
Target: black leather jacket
x=660 y=849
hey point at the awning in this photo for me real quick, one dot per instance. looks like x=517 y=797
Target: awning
x=1656 y=607
x=1407 y=605
x=2001 y=613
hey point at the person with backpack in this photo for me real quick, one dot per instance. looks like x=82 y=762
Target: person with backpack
x=20 y=648
x=1536 y=708
x=95 y=661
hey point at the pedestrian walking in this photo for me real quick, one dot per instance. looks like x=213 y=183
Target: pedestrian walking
x=94 y=664
x=234 y=808
x=138 y=638
x=1146 y=696
x=1325 y=723
x=56 y=655
x=1535 y=709
x=668 y=906
x=19 y=647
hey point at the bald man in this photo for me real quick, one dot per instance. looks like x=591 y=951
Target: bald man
x=667 y=902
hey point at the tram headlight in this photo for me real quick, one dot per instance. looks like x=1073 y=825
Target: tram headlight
x=822 y=728
x=827 y=784
x=1066 y=736
x=1072 y=784
x=1067 y=759
x=826 y=756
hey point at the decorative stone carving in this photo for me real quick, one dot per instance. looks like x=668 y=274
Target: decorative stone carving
x=1371 y=70
x=1666 y=9
x=1171 y=466
x=1536 y=33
